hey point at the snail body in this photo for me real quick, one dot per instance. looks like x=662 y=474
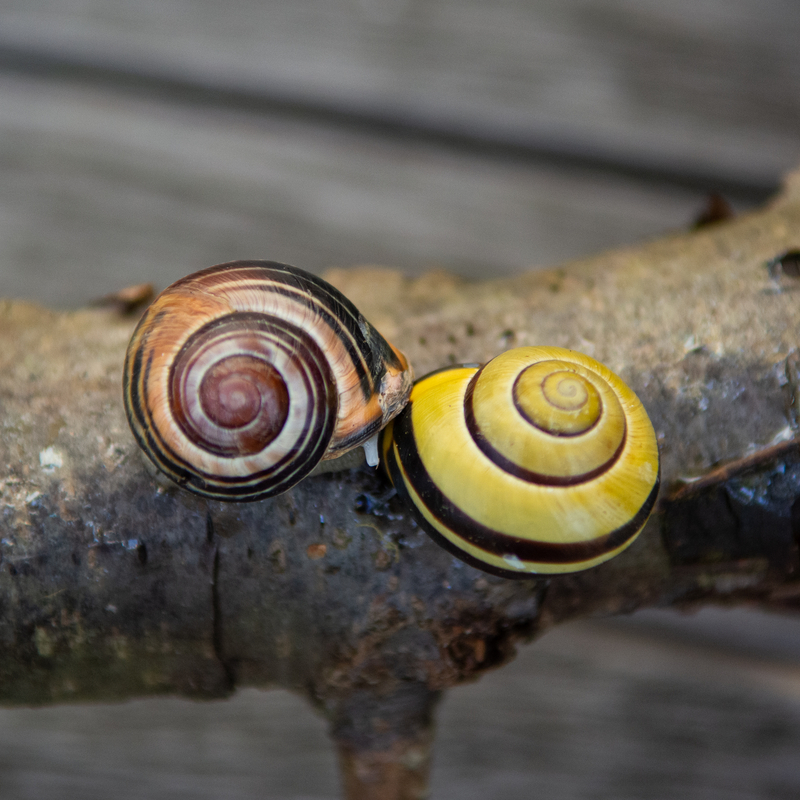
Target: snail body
x=541 y=461
x=241 y=378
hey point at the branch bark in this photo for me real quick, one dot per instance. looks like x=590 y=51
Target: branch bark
x=114 y=585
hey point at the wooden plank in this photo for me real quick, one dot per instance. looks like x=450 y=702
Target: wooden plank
x=100 y=192
x=709 y=86
x=587 y=711
x=256 y=745
x=592 y=711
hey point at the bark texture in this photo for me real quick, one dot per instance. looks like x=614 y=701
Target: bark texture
x=114 y=584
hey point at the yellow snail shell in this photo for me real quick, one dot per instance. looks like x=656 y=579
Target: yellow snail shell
x=541 y=461
x=240 y=378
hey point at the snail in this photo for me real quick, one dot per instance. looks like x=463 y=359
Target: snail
x=541 y=461
x=240 y=378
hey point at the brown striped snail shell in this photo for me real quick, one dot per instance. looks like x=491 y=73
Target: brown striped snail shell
x=240 y=378
x=541 y=461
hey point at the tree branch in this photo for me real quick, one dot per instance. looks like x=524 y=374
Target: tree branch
x=113 y=585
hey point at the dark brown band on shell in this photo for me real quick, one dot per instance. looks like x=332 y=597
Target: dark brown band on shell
x=240 y=378
x=488 y=539
x=368 y=350
x=210 y=416
x=518 y=471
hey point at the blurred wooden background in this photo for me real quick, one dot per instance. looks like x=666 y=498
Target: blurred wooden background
x=141 y=141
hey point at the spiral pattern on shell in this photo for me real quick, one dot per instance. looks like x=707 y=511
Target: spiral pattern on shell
x=541 y=461
x=240 y=378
